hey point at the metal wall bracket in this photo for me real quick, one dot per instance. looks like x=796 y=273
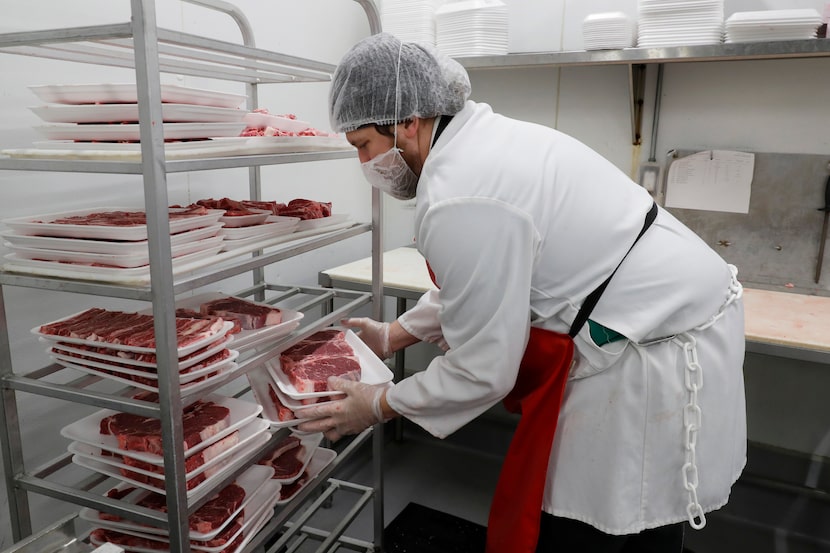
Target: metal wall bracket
x=636 y=94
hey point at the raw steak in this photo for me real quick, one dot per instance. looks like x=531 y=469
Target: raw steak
x=285 y=458
x=289 y=490
x=309 y=363
x=283 y=412
x=200 y=420
x=304 y=209
x=250 y=315
x=192 y=462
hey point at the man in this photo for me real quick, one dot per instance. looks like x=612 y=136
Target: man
x=564 y=291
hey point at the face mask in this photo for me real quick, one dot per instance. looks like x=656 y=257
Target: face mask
x=389 y=173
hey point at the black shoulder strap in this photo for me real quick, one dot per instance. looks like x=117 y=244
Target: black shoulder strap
x=442 y=124
x=592 y=299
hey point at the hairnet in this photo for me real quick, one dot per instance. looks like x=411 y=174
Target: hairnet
x=363 y=87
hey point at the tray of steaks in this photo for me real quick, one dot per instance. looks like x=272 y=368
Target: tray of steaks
x=110 y=223
x=233 y=537
x=275 y=404
x=207 y=422
x=179 y=242
x=131 y=332
x=211 y=519
x=290 y=456
x=302 y=370
x=198 y=467
x=273 y=225
x=320 y=460
x=254 y=322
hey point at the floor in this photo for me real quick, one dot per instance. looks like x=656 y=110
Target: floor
x=769 y=511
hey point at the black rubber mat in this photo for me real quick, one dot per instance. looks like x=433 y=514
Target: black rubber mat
x=420 y=529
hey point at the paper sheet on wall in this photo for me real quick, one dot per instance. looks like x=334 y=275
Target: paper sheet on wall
x=714 y=180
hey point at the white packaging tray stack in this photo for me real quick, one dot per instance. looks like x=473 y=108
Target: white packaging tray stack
x=472 y=28
x=410 y=20
x=762 y=26
x=667 y=23
x=609 y=31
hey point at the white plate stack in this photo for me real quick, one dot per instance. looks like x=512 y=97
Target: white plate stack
x=608 y=31
x=666 y=23
x=410 y=20
x=758 y=26
x=472 y=28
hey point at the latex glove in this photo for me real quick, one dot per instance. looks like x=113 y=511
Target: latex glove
x=373 y=333
x=359 y=410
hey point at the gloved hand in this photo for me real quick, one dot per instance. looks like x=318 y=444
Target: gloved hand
x=373 y=333
x=360 y=409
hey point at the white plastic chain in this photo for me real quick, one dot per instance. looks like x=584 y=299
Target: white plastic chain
x=692 y=422
x=692 y=416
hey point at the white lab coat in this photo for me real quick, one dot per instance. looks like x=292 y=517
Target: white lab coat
x=519 y=223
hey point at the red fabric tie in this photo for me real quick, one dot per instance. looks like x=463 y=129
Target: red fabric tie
x=516 y=511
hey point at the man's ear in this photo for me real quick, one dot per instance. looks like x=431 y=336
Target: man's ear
x=410 y=128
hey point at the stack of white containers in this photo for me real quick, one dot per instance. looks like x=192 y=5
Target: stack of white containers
x=665 y=23
x=767 y=25
x=472 y=28
x=608 y=31
x=410 y=20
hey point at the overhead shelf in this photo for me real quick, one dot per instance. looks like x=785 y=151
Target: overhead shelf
x=785 y=49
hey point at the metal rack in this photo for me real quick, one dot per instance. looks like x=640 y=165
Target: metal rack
x=150 y=50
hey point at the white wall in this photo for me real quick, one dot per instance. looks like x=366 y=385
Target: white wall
x=763 y=106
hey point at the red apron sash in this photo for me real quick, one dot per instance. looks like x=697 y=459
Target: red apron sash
x=516 y=510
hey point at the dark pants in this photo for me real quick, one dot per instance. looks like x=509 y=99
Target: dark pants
x=563 y=535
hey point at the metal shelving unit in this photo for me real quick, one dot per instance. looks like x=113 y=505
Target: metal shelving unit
x=150 y=51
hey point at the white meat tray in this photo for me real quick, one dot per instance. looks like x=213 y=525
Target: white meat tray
x=178 y=242
x=256 y=481
x=120 y=260
x=262 y=120
x=127 y=93
x=87 y=429
x=322 y=222
x=373 y=370
x=198 y=492
x=184 y=378
x=246 y=339
x=42 y=225
x=182 y=350
x=258 y=217
x=112 y=113
x=112 y=356
x=294 y=144
x=95 y=132
x=248 y=434
x=273 y=225
x=320 y=460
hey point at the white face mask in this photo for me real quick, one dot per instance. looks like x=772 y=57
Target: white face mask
x=389 y=173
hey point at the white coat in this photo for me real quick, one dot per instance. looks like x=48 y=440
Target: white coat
x=519 y=223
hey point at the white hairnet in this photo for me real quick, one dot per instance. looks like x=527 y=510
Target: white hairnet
x=363 y=87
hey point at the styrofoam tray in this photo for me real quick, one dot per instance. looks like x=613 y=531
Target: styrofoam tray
x=127 y=358
x=322 y=222
x=320 y=460
x=112 y=113
x=121 y=260
x=127 y=93
x=186 y=389
x=262 y=120
x=249 y=433
x=264 y=145
x=195 y=494
x=272 y=226
x=309 y=444
x=178 y=242
x=261 y=384
x=256 y=481
x=184 y=378
x=87 y=429
x=42 y=225
x=250 y=528
x=247 y=338
x=373 y=370
x=258 y=217
x=182 y=351
x=95 y=132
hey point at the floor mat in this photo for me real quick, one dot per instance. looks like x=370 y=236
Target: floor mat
x=419 y=529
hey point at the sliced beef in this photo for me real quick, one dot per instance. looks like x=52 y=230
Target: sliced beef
x=248 y=314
